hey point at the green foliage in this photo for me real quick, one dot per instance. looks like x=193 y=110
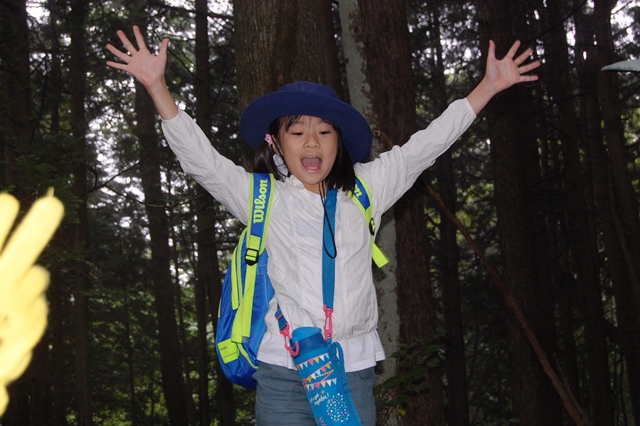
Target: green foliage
x=415 y=360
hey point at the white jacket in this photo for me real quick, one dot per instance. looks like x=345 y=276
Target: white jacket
x=294 y=240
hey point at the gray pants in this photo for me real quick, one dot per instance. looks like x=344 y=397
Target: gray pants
x=281 y=400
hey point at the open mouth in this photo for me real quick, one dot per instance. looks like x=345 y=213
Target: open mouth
x=312 y=163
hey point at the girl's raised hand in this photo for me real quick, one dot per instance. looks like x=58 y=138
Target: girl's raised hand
x=508 y=71
x=501 y=74
x=147 y=68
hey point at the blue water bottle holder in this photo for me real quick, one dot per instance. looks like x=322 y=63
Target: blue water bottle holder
x=320 y=362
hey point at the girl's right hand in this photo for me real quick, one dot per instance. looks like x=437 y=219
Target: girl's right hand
x=147 y=68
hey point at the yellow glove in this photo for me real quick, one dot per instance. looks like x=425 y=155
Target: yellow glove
x=23 y=308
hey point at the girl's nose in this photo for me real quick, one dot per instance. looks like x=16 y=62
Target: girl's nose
x=311 y=141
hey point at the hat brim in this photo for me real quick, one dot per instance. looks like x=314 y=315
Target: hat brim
x=256 y=118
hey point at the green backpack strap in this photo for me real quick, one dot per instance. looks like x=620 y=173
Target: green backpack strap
x=362 y=198
x=255 y=236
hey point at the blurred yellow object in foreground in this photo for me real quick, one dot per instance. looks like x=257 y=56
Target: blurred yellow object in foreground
x=23 y=308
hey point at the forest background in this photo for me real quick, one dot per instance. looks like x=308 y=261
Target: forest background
x=524 y=311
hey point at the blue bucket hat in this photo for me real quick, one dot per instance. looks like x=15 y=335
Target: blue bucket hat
x=305 y=98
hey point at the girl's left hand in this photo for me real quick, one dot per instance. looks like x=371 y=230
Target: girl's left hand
x=504 y=73
x=501 y=74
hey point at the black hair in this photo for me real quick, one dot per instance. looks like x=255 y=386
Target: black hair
x=342 y=176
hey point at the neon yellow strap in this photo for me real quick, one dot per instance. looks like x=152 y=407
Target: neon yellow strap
x=255 y=245
x=378 y=256
x=376 y=253
x=242 y=324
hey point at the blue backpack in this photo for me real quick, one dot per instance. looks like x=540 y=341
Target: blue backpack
x=247 y=290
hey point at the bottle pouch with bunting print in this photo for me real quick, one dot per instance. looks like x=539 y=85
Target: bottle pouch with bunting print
x=319 y=364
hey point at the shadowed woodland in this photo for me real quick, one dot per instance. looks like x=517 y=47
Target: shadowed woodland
x=513 y=291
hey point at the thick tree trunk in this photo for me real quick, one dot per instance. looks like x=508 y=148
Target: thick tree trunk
x=618 y=203
x=81 y=267
x=170 y=360
x=208 y=279
x=456 y=391
x=394 y=105
x=26 y=404
x=514 y=163
x=15 y=110
x=581 y=229
x=280 y=42
x=385 y=278
x=55 y=294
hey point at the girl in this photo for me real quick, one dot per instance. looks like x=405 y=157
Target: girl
x=313 y=142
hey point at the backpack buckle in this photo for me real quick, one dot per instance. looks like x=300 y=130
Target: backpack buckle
x=251 y=256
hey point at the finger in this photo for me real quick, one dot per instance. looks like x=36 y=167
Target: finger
x=119 y=54
x=524 y=78
x=117 y=65
x=491 y=54
x=126 y=43
x=526 y=68
x=514 y=48
x=523 y=56
x=139 y=39
x=162 y=52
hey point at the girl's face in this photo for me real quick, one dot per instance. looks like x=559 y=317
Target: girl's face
x=309 y=149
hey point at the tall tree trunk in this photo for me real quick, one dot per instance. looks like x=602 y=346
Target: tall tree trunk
x=278 y=43
x=581 y=229
x=514 y=163
x=81 y=279
x=182 y=325
x=134 y=409
x=170 y=360
x=17 y=127
x=394 y=104
x=210 y=281
x=15 y=107
x=457 y=408
x=208 y=278
x=622 y=202
x=202 y=87
x=384 y=279
x=55 y=293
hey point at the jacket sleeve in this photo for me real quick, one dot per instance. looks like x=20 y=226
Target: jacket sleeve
x=227 y=182
x=395 y=171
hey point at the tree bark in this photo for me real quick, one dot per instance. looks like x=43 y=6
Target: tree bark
x=170 y=359
x=514 y=156
x=208 y=279
x=279 y=42
x=457 y=407
x=580 y=228
x=394 y=105
x=385 y=278
x=55 y=294
x=17 y=122
x=81 y=267
x=204 y=121
x=618 y=203
x=16 y=135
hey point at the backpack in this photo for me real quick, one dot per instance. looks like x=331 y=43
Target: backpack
x=247 y=290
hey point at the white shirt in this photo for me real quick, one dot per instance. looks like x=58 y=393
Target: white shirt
x=294 y=240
